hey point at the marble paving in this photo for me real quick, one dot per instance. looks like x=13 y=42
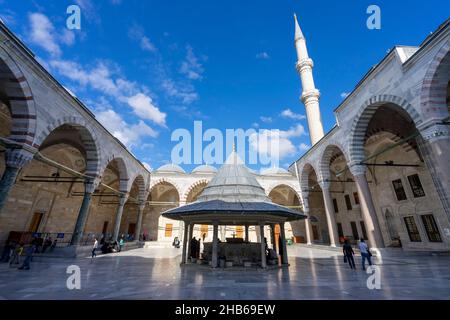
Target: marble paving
x=156 y=274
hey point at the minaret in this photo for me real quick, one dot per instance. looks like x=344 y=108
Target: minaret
x=310 y=95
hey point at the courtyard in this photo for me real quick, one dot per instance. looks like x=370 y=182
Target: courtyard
x=155 y=273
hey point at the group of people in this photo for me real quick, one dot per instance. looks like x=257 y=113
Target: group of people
x=13 y=251
x=349 y=253
x=195 y=246
x=107 y=246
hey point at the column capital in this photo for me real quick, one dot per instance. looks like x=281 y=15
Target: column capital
x=91 y=184
x=142 y=205
x=123 y=197
x=324 y=184
x=357 y=169
x=434 y=131
x=17 y=158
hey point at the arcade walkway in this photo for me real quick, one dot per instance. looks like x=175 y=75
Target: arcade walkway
x=313 y=274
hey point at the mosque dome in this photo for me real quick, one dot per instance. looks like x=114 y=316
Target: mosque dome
x=275 y=171
x=172 y=168
x=204 y=169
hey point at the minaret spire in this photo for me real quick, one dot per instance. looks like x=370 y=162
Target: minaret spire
x=310 y=95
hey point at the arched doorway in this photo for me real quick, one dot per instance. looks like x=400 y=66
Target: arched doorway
x=391 y=149
x=50 y=193
x=311 y=187
x=286 y=196
x=163 y=196
x=346 y=205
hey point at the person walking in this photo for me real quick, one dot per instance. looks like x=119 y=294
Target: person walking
x=365 y=253
x=27 y=262
x=15 y=257
x=348 y=254
x=94 y=248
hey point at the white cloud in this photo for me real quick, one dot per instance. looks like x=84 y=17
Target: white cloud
x=143 y=107
x=191 y=67
x=304 y=147
x=147 y=45
x=266 y=119
x=137 y=33
x=147 y=166
x=42 y=33
x=344 y=95
x=102 y=78
x=186 y=94
x=291 y=115
x=129 y=134
x=276 y=144
x=88 y=9
x=263 y=55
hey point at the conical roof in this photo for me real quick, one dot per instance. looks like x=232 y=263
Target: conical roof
x=234 y=193
x=234 y=183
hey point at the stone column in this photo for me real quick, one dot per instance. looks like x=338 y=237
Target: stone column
x=329 y=211
x=263 y=247
x=367 y=207
x=15 y=160
x=246 y=233
x=139 y=220
x=122 y=200
x=307 y=221
x=284 y=259
x=435 y=148
x=215 y=244
x=89 y=188
x=272 y=237
x=185 y=238
x=190 y=236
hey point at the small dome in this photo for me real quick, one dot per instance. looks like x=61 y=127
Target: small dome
x=275 y=171
x=170 y=168
x=205 y=169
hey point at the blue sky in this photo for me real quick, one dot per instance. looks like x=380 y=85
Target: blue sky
x=146 y=68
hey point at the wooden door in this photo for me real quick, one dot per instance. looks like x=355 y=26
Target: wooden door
x=35 y=222
x=131 y=228
x=105 y=227
x=315 y=232
x=240 y=232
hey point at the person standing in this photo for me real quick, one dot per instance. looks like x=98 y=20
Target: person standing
x=94 y=248
x=15 y=257
x=348 y=254
x=121 y=242
x=365 y=253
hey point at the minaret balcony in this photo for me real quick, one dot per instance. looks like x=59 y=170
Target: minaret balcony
x=304 y=64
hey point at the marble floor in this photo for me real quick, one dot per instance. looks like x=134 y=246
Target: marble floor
x=156 y=274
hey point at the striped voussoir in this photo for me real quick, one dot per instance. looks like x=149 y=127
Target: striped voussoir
x=167 y=181
x=361 y=122
x=304 y=177
x=142 y=192
x=434 y=88
x=21 y=101
x=88 y=139
x=122 y=172
x=333 y=150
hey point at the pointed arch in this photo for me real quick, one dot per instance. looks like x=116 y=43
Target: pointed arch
x=361 y=122
x=20 y=98
x=434 y=88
